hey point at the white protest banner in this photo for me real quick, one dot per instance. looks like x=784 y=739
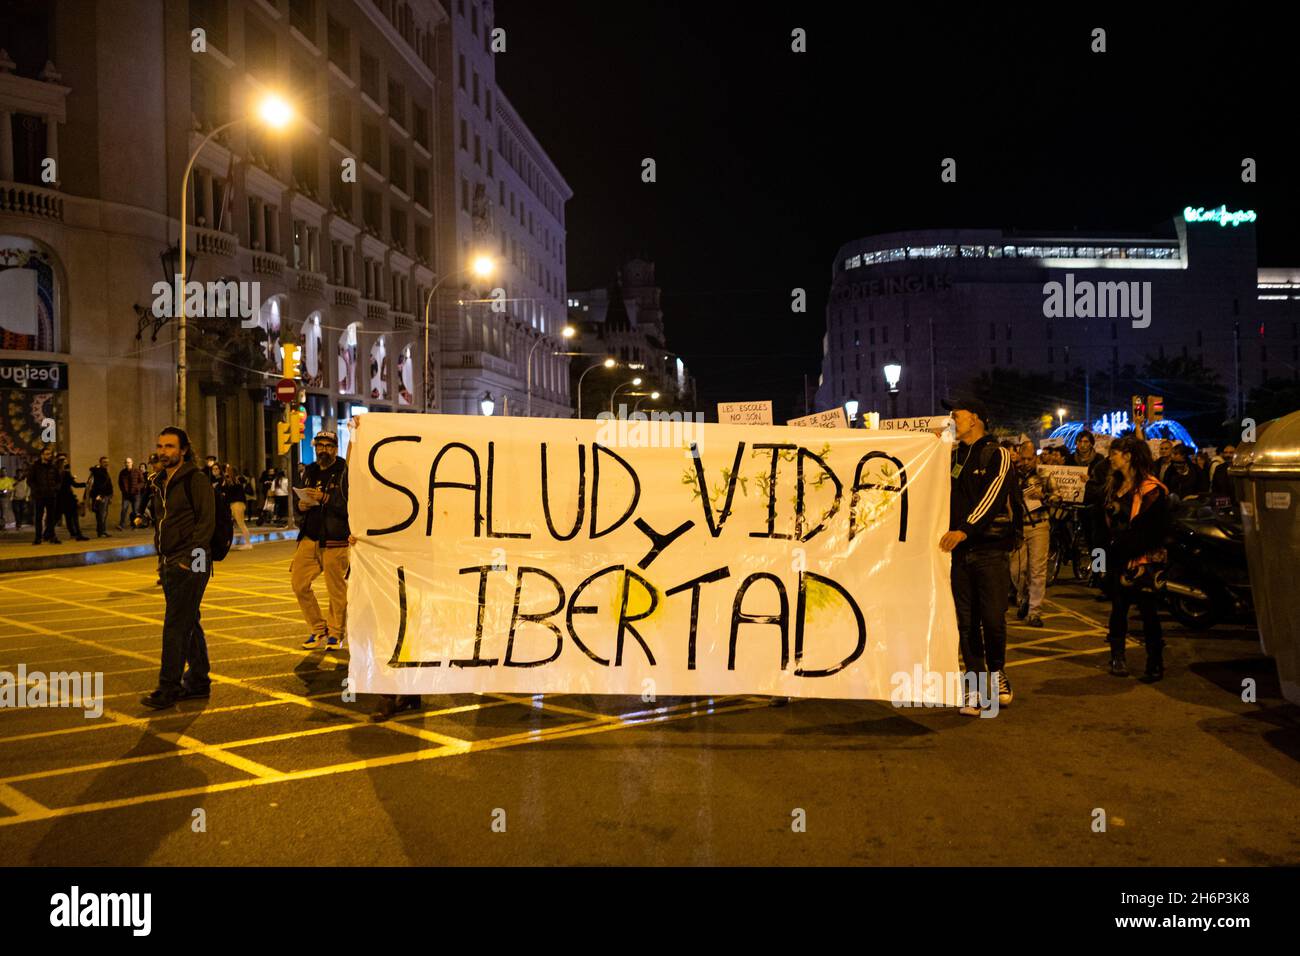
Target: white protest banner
x=926 y=423
x=1051 y=443
x=529 y=555
x=1067 y=480
x=831 y=418
x=745 y=413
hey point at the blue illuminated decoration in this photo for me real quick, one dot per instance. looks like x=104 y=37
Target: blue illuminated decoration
x=1117 y=423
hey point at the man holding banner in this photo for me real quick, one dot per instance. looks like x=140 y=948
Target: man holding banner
x=981 y=537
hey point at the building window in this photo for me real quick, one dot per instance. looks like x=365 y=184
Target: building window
x=341 y=119
x=208 y=15
x=347 y=360
x=487 y=109
x=993 y=355
x=372 y=209
x=397 y=102
x=421 y=186
x=474 y=94
x=397 y=166
x=339 y=42
x=473 y=19
x=302 y=17
x=478 y=150
x=372 y=146
x=397 y=229
x=259 y=48
x=464 y=135
x=491 y=172
x=420 y=125
x=464 y=194
x=370 y=76
x=460 y=70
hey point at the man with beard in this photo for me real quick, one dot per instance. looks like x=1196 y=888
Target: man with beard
x=323 y=542
x=186 y=511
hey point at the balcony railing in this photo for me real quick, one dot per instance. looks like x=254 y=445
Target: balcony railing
x=311 y=282
x=268 y=264
x=402 y=321
x=21 y=199
x=376 y=311
x=209 y=242
x=487 y=361
x=346 y=297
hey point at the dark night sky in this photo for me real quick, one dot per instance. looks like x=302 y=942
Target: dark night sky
x=769 y=160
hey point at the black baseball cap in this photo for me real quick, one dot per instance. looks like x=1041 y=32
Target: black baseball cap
x=972 y=405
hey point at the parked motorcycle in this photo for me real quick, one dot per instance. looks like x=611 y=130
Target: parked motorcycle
x=1206 y=581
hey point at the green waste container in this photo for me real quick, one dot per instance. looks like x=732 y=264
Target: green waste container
x=1266 y=477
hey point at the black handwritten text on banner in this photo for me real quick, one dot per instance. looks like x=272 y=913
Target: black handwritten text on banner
x=523 y=555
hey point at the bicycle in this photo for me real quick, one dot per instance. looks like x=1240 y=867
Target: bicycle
x=1069 y=539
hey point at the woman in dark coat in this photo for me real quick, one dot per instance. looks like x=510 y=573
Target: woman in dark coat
x=1137 y=520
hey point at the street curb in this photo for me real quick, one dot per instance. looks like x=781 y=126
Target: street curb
x=74 y=559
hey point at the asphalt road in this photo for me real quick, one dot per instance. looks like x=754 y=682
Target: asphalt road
x=277 y=769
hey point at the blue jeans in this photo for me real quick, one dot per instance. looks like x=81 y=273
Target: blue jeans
x=182 y=636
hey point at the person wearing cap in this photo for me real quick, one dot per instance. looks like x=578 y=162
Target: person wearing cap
x=981 y=537
x=322 y=505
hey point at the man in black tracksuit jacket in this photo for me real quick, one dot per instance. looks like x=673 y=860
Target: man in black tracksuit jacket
x=981 y=537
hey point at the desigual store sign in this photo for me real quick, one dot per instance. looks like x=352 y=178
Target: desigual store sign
x=34 y=376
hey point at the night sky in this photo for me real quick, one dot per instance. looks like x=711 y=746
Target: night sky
x=769 y=160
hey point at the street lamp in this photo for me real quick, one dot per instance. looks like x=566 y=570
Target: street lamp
x=483 y=267
x=1060 y=413
x=568 y=332
x=635 y=382
x=893 y=372
x=486 y=404
x=653 y=396
x=276 y=113
x=851 y=409
x=608 y=363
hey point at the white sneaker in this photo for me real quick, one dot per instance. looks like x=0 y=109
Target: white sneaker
x=972 y=708
x=1004 y=689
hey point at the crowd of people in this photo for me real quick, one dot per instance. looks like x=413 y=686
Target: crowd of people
x=46 y=494
x=1000 y=534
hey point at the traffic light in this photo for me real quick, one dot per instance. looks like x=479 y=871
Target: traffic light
x=282 y=437
x=1139 y=410
x=297 y=422
x=1155 y=407
x=292 y=355
x=1046 y=423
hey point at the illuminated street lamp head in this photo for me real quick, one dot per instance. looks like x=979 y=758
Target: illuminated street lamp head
x=568 y=331
x=637 y=380
x=610 y=363
x=654 y=396
x=486 y=404
x=851 y=408
x=275 y=111
x=1060 y=412
x=893 y=372
x=483 y=266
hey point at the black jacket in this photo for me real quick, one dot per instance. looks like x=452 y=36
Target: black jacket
x=328 y=521
x=101 y=483
x=67 y=496
x=183 y=526
x=1144 y=534
x=44 y=479
x=981 y=495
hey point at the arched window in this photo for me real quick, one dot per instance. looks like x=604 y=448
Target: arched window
x=313 y=366
x=347 y=377
x=379 y=370
x=29 y=302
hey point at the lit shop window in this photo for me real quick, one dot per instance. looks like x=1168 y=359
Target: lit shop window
x=269 y=320
x=974 y=252
x=405 y=378
x=313 y=369
x=379 y=370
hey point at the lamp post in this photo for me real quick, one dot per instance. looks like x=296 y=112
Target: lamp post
x=608 y=363
x=1060 y=413
x=275 y=113
x=635 y=382
x=653 y=396
x=568 y=332
x=483 y=267
x=851 y=409
x=893 y=372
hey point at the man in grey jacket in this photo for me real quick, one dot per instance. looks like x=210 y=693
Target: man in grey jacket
x=186 y=512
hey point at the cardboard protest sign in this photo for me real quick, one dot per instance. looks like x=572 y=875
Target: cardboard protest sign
x=831 y=418
x=563 y=556
x=924 y=423
x=745 y=413
x=1068 y=481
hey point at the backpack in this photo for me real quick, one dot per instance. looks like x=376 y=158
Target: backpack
x=223 y=533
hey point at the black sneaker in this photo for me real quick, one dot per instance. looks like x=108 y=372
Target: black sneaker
x=158 y=700
x=1118 y=668
x=1035 y=620
x=1155 y=671
x=195 y=693
x=1022 y=611
x=1004 y=689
